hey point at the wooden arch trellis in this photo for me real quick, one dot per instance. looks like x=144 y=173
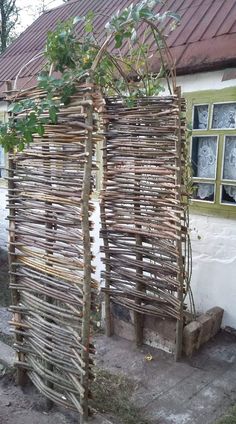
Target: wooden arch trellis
x=144 y=231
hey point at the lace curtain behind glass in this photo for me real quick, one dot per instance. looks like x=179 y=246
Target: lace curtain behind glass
x=206 y=164
x=200 y=117
x=229 y=170
x=224 y=115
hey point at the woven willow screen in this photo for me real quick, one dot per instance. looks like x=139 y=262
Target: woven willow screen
x=142 y=209
x=143 y=229
x=50 y=255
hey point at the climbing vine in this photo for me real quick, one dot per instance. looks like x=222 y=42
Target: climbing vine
x=71 y=61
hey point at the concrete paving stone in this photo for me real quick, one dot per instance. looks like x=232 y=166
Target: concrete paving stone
x=99 y=419
x=5 y=317
x=7 y=355
x=162 y=383
x=183 y=393
x=227 y=383
x=210 y=404
x=200 y=409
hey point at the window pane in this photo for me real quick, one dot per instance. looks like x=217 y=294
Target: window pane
x=200 y=117
x=228 y=194
x=224 y=115
x=229 y=168
x=204 y=152
x=204 y=191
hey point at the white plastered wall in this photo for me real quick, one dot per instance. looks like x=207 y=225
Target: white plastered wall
x=214 y=264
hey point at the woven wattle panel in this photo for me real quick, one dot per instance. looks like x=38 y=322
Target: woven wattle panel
x=46 y=202
x=142 y=207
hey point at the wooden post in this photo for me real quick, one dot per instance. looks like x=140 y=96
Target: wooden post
x=48 y=299
x=138 y=317
x=87 y=256
x=109 y=328
x=21 y=376
x=179 y=326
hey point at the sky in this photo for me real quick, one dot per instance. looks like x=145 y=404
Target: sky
x=28 y=10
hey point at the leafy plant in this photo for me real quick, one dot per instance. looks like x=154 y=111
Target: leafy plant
x=128 y=76
x=20 y=132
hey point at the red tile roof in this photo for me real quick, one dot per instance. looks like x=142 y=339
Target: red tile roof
x=204 y=40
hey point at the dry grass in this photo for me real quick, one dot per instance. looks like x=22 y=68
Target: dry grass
x=229 y=418
x=112 y=395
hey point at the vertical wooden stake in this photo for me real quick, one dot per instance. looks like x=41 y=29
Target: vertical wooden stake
x=179 y=326
x=87 y=257
x=138 y=318
x=48 y=299
x=21 y=376
x=109 y=329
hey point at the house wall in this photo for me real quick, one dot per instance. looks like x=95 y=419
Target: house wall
x=214 y=252
x=214 y=264
x=213 y=238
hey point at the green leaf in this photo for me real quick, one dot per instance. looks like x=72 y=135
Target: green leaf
x=21 y=146
x=40 y=130
x=16 y=108
x=89 y=21
x=88 y=27
x=53 y=115
x=118 y=40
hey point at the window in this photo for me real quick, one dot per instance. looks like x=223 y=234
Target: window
x=213 y=153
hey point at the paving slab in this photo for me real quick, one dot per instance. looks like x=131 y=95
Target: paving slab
x=5 y=317
x=7 y=355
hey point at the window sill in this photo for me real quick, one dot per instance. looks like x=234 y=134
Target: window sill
x=213 y=210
